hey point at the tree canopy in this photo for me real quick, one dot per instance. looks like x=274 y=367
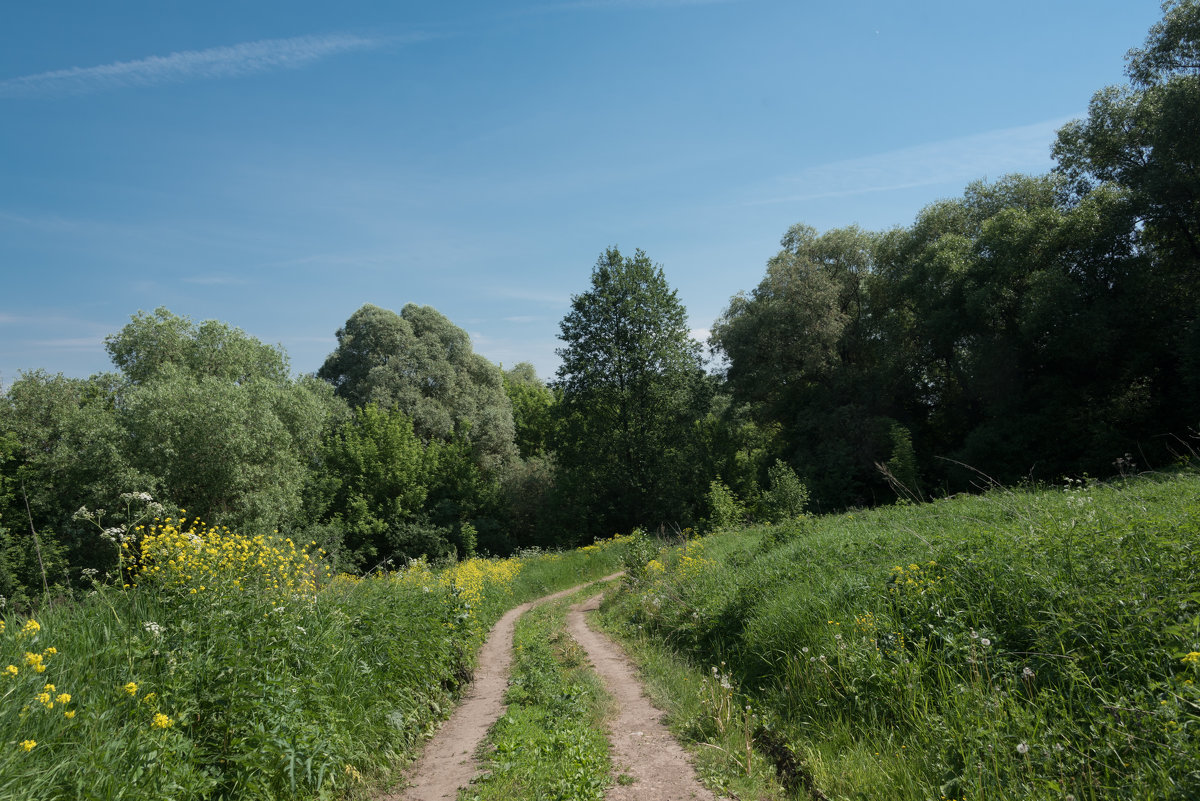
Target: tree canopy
x=423 y=364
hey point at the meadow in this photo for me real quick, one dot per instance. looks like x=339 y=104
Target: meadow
x=1019 y=644
x=229 y=666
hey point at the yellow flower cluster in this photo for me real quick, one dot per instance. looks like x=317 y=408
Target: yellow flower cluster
x=1192 y=658
x=913 y=578
x=37 y=661
x=161 y=721
x=199 y=558
x=470 y=579
x=866 y=623
x=603 y=545
x=691 y=561
x=655 y=567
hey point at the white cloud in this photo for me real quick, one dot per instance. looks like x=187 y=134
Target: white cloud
x=522 y=318
x=186 y=65
x=967 y=158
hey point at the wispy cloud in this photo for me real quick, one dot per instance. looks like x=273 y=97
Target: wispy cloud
x=962 y=159
x=187 y=65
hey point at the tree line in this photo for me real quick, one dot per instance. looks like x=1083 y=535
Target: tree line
x=1035 y=327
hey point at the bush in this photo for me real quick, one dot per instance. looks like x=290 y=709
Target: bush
x=725 y=509
x=786 y=497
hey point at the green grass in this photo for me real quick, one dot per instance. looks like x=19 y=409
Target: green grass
x=262 y=695
x=1021 y=644
x=551 y=742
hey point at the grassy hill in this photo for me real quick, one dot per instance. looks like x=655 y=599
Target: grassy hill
x=1018 y=644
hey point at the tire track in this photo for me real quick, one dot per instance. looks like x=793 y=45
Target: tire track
x=642 y=746
x=448 y=761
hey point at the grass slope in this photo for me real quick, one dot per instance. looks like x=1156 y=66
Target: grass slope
x=1016 y=645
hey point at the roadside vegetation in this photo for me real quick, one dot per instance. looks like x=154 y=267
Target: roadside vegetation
x=237 y=667
x=1019 y=644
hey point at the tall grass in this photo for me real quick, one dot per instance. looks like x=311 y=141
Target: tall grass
x=234 y=667
x=1021 y=644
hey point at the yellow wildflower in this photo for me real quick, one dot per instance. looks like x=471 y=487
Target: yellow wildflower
x=131 y=688
x=1193 y=658
x=70 y=713
x=161 y=721
x=31 y=627
x=28 y=745
x=11 y=670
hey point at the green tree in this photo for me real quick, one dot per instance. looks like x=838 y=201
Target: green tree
x=532 y=404
x=378 y=476
x=802 y=350
x=65 y=448
x=213 y=418
x=1140 y=140
x=1142 y=137
x=422 y=363
x=631 y=388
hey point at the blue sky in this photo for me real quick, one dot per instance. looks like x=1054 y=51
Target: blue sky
x=275 y=165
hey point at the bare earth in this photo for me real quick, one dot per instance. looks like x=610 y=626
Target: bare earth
x=448 y=761
x=642 y=746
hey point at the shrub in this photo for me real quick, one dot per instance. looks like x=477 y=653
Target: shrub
x=786 y=497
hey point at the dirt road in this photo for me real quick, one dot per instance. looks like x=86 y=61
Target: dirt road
x=643 y=749
x=448 y=761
